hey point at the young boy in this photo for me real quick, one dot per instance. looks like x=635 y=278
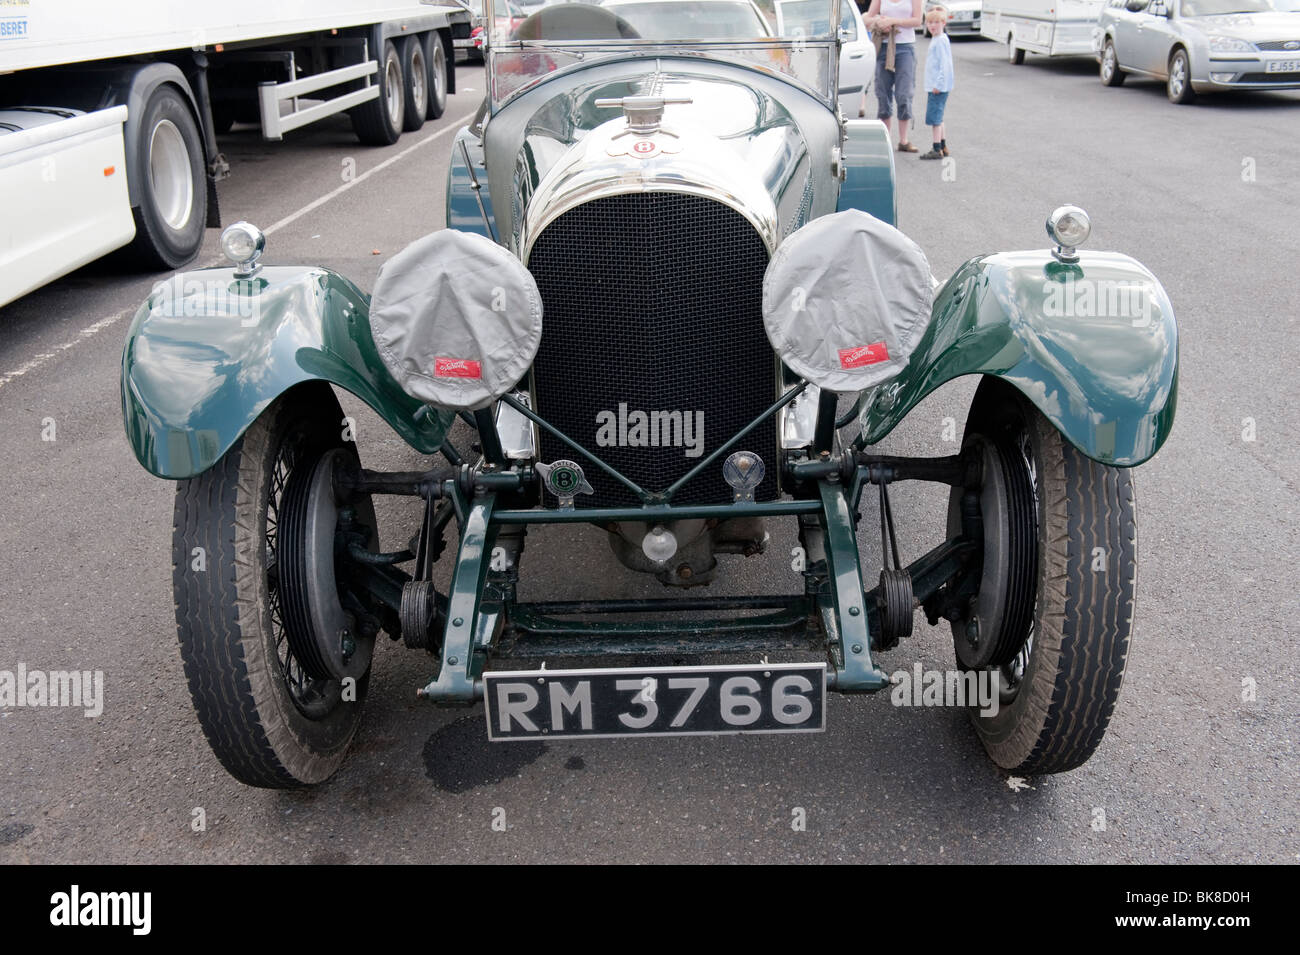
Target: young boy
x=938 y=78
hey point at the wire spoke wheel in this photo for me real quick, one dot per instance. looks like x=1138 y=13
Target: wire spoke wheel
x=313 y=696
x=251 y=589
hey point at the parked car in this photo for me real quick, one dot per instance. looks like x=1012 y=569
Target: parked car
x=857 y=52
x=965 y=19
x=664 y=265
x=1199 y=46
x=509 y=15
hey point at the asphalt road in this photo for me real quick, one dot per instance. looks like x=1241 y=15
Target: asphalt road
x=1189 y=772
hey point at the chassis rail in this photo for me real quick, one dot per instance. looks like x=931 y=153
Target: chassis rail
x=480 y=619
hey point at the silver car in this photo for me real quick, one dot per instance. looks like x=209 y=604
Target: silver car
x=1197 y=46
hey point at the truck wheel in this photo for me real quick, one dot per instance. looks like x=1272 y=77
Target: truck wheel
x=1052 y=620
x=379 y=122
x=436 y=56
x=252 y=552
x=1111 y=74
x=1015 y=55
x=415 y=79
x=1179 y=83
x=173 y=209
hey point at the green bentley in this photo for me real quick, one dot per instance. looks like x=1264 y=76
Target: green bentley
x=670 y=302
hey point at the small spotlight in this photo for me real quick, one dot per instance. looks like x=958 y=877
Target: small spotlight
x=243 y=244
x=1069 y=228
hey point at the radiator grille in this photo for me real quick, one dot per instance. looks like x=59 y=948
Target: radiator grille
x=653 y=302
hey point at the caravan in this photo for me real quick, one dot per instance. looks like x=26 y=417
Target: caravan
x=1049 y=27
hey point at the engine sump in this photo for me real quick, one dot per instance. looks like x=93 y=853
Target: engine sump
x=653 y=327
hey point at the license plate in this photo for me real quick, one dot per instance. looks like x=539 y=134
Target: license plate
x=656 y=701
x=1282 y=66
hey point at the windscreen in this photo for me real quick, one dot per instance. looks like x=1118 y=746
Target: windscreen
x=788 y=37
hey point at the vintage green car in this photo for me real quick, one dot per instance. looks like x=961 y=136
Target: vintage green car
x=670 y=302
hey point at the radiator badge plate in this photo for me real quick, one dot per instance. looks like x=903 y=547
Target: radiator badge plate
x=645 y=146
x=565 y=480
x=743 y=471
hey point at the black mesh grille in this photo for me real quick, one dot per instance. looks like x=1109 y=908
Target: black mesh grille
x=1269 y=77
x=653 y=301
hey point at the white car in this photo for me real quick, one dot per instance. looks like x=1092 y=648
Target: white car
x=857 y=52
x=964 y=16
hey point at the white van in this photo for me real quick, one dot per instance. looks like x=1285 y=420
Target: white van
x=1049 y=27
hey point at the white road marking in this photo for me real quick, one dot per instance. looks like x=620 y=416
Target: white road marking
x=335 y=193
x=90 y=331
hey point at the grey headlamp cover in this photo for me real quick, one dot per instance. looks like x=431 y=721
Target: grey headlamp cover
x=846 y=298
x=457 y=319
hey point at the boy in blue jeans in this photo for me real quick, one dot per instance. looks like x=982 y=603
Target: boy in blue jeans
x=938 y=79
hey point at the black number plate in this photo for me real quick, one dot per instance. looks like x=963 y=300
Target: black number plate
x=656 y=701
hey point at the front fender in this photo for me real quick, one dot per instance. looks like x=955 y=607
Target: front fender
x=207 y=353
x=1093 y=345
x=868 y=159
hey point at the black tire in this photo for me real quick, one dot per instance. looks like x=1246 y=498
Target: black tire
x=435 y=55
x=268 y=722
x=1060 y=682
x=1111 y=74
x=1015 y=55
x=1178 y=84
x=173 y=209
x=415 y=84
x=380 y=121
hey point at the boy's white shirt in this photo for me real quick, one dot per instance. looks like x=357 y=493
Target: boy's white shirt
x=940 y=54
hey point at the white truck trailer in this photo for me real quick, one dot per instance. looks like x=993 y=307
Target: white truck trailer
x=109 y=112
x=1048 y=27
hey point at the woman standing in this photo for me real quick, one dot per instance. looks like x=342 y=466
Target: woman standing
x=894 y=23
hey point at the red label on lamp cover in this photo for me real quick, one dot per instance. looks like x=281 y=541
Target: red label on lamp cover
x=862 y=355
x=456 y=368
